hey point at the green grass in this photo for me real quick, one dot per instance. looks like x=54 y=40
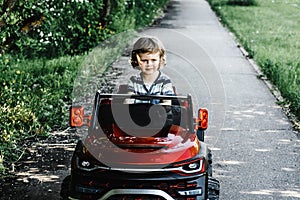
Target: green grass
x=35 y=95
x=103 y=55
x=270 y=32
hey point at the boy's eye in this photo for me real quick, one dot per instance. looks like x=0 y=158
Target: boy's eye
x=153 y=60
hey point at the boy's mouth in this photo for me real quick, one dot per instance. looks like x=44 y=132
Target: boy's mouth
x=149 y=68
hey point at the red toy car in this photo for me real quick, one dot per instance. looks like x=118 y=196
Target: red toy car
x=141 y=151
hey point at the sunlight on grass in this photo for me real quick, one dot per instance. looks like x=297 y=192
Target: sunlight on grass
x=270 y=32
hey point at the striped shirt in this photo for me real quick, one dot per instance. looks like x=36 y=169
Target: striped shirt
x=161 y=86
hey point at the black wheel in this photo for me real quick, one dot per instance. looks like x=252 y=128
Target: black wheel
x=213 y=189
x=200 y=135
x=65 y=188
x=212 y=195
x=209 y=159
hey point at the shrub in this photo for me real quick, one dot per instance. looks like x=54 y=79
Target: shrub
x=146 y=10
x=36 y=83
x=53 y=28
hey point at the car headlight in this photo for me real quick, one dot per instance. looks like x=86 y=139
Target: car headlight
x=193 y=166
x=85 y=164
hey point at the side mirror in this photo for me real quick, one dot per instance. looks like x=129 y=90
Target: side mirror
x=77 y=117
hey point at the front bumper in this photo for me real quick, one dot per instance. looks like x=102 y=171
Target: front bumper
x=114 y=193
x=156 y=187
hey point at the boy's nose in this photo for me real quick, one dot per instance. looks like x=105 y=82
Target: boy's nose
x=150 y=62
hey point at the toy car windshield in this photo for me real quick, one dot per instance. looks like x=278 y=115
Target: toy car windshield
x=142 y=118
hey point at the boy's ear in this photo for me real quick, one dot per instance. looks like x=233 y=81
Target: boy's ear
x=138 y=58
x=162 y=62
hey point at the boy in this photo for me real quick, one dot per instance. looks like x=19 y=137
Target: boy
x=148 y=55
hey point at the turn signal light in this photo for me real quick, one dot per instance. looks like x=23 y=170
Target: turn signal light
x=202 y=120
x=77 y=117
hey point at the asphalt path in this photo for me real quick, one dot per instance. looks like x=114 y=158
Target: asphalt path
x=255 y=149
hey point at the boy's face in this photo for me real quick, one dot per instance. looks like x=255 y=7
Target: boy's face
x=149 y=62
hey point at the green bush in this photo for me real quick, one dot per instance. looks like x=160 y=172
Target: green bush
x=146 y=10
x=55 y=28
x=43 y=44
x=52 y=28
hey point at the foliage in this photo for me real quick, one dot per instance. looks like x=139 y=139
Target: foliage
x=51 y=28
x=96 y=62
x=54 y=28
x=270 y=33
x=146 y=10
x=33 y=100
x=43 y=45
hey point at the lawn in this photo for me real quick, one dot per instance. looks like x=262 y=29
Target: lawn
x=270 y=31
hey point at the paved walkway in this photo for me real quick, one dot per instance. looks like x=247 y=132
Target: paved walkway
x=256 y=152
